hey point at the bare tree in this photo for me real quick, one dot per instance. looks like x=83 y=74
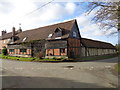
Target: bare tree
x=107 y=14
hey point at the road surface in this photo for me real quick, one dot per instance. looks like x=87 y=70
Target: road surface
x=92 y=74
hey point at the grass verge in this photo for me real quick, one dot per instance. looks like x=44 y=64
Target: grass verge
x=28 y=59
x=91 y=58
x=117 y=68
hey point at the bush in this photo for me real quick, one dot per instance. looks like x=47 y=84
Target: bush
x=40 y=55
x=59 y=58
x=4 y=51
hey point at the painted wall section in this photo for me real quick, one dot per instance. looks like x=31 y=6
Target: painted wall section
x=96 y=51
x=3 y=43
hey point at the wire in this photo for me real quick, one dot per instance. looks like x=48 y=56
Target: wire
x=39 y=8
x=32 y=11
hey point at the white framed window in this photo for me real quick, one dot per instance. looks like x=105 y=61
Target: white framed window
x=4 y=41
x=74 y=34
x=58 y=34
x=50 y=35
x=24 y=39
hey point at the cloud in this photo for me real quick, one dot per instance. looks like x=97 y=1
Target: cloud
x=54 y=11
x=22 y=13
x=89 y=28
x=5 y=7
x=70 y=8
x=13 y=12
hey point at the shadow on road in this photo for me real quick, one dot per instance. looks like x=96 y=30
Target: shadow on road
x=43 y=82
x=110 y=60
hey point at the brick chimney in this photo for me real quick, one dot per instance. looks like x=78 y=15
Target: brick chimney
x=13 y=31
x=13 y=34
x=19 y=30
x=3 y=32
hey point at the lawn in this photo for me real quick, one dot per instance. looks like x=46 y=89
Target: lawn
x=90 y=58
x=28 y=58
x=117 y=67
x=1 y=55
x=58 y=59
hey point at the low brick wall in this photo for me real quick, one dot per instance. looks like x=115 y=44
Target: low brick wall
x=20 y=55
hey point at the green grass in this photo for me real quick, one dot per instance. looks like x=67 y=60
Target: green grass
x=57 y=60
x=27 y=58
x=1 y=55
x=98 y=57
x=117 y=67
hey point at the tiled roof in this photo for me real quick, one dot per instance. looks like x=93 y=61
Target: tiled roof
x=96 y=44
x=7 y=35
x=43 y=32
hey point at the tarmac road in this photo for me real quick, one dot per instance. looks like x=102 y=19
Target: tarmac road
x=92 y=74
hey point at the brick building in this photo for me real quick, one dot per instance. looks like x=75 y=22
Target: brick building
x=5 y=38
x=61 y=39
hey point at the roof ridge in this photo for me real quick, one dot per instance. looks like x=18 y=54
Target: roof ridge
x=43 y=32
x=97 y=40
x=73 y=20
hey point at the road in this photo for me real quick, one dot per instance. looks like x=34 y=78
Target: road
x=92 y=74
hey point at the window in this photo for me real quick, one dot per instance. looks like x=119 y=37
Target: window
x=74 y=34
x=11 y=50
x=58 y=34
x=9 y=40
x=50 y=35
x=62 y=50
x=4 y=41
x=23 y=50
x=24 y=39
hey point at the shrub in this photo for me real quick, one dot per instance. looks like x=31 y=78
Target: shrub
x=40 y=55
x=4 y=51
x=54 y=58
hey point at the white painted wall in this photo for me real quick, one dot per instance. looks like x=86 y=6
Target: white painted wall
x=95 y=51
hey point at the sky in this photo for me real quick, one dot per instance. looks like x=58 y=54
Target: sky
x=34 y=13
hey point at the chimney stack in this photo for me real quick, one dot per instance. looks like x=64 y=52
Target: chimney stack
x=4 y=32
x=13 y=34
x=13 y=31
x=19 y=30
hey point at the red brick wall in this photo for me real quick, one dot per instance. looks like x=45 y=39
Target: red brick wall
x=64 y=53
x=56 y=52
x=17 y=52
x=3 y=43
x=49 y=51
x=28 y=51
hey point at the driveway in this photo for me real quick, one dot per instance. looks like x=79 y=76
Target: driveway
x=92 y=74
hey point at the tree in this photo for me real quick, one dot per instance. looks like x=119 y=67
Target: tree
x=107 y=14
x=118 y=47
x=4 y=51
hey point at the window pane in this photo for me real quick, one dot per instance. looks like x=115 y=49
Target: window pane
x=62 y=50
x=11 y=50
x=74 y=34
x=22 y=50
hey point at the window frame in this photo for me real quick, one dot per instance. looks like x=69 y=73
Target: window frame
x=23 y=50
x=58 y=34
x=74 y=34
x=11 y=50
x=62 y=50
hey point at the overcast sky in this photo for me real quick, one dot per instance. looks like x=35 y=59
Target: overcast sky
x=13 y=12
